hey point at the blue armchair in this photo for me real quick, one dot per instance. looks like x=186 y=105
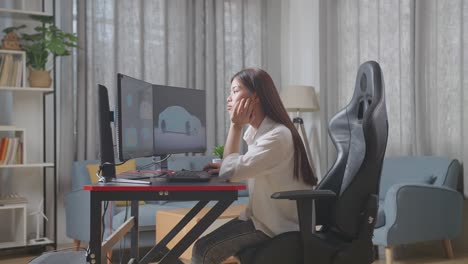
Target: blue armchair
x=418 y=202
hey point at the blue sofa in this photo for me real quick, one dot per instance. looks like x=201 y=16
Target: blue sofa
x=77 y=203
x=418 y=202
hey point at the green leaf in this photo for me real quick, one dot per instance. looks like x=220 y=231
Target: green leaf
x=11 y=29
x=47 y=39
x=218 y=151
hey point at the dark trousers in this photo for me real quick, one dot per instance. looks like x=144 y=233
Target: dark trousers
x=226 y=241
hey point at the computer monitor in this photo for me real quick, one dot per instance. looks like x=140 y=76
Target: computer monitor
x=179 y=120
x=134 y=118
x=106 y=145
x=156 y=120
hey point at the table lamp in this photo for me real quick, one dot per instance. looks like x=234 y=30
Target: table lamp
x=301 y=98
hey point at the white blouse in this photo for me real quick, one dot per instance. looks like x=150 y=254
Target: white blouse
x=268 y=165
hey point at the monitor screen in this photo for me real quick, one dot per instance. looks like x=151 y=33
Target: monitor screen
x=179 y=120
x=155 y=120
x=134 y=120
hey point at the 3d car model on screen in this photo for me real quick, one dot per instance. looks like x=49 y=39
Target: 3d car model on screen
x=176 y=119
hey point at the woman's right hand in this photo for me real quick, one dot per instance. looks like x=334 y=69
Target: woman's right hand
x=212 y=168
x=242 y=112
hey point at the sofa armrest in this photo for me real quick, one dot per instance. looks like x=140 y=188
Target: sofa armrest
x=422 y=212
x=77 y=214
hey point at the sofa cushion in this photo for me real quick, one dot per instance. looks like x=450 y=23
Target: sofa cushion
x=130 y=165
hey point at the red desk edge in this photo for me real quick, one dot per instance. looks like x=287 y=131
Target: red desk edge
x=234 y=187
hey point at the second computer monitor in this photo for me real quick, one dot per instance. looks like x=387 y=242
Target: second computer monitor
x=155 y=120
x=134 y=118
x=179 y=120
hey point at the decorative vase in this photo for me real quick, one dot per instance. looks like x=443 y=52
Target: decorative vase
x=39 y=78
x=11 y=42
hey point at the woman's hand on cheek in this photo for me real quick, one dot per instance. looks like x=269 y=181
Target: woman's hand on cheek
x=242 y=112
x=254 y=103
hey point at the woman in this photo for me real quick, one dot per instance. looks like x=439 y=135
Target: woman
x=275 y=158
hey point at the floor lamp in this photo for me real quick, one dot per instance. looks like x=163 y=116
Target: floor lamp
x=301 y=98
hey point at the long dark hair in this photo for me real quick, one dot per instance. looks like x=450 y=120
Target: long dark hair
x=259 y=81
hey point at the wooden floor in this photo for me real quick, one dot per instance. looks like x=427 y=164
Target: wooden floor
x=460 y=258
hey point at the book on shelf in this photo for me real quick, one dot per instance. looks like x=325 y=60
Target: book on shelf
x=3 y=148
x=19 y=76
x=11 y=151
x=11 y=70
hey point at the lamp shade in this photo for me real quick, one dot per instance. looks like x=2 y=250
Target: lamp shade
x=300 y=98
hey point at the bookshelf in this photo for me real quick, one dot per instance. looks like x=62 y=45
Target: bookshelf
x=31 y=123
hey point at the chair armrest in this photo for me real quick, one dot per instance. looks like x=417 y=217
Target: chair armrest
x=304 y=194
x=422 y=212
x=305 y=206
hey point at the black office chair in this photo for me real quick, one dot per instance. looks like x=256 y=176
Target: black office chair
x=346 y=199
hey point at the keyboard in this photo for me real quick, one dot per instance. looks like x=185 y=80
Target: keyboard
x=189 y=176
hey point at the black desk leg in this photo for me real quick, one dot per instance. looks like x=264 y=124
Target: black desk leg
x=95 y=230
x=160 y=248
x=195 y=232
x=134 y=231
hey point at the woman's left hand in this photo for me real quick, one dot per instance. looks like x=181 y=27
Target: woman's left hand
x=243 y=111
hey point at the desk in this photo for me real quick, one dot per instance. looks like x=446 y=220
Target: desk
x=224 y=193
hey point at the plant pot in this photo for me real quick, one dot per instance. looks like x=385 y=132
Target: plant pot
x=38 y=78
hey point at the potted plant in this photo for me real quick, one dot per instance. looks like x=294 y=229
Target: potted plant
x=11 y=41
x=48 y=39
x=218 y=151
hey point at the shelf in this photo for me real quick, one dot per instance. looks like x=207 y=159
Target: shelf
x=17 y=52
x=31 y=165
x=26 y=89
x=10 y=128
x=12 y=244
x=21 y=14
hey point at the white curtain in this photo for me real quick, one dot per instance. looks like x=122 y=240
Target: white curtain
x=422 y=47
x=188 y=43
